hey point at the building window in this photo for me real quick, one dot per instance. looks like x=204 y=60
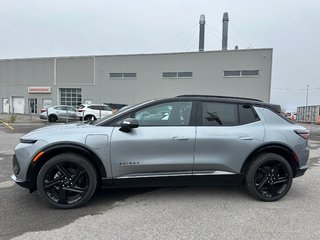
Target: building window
x=241 y=73
x=70 y=96
x=232 y=73
x=115 y=76
x=177 y=75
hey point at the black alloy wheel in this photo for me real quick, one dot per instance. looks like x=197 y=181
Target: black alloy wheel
x=269 y=177
x=53 y=118
x=67 y=181
x=90 y=118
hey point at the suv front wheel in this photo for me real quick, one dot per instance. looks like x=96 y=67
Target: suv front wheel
x=269 y=177
x=67 y=181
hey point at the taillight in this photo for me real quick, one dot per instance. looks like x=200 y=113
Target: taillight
x=44 y=110
x=80 y=110
x=304 y=133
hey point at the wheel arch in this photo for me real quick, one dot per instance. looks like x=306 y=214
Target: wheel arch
x=63 y=147
x=279 y=149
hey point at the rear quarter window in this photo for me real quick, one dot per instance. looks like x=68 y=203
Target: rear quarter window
x=247 y=114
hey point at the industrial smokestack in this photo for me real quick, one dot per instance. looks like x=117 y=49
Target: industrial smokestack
x=201 y=33
x=225 y=21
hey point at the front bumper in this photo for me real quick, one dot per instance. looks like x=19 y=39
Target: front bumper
x=25 y=184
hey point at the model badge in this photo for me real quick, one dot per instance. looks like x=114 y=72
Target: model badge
x=128 y=163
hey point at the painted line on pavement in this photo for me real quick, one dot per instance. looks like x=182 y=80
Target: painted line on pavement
x=6 y=124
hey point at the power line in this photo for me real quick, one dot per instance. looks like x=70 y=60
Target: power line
x=291 y=89
x=190 y=41
x=171 y=39
x=250 y=45
x=230 y=37
x=210 y=31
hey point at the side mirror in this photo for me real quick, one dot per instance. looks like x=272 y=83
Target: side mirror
x=128 y=124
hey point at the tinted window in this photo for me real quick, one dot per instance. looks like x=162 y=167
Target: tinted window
x=185 y=74
x=169 y=74
x=247 y=114
x=219 y=114
x=165 y=114
x=232 y=73
x=250 y=72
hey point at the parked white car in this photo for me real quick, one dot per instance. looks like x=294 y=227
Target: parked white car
x=59 y=112
x=93 y=111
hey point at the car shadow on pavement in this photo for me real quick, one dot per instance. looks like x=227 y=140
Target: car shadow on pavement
x=22 y=212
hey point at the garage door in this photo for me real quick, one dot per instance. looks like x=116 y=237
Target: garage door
x=18 y=104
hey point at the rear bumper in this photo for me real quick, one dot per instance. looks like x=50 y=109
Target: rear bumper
x=300 y=171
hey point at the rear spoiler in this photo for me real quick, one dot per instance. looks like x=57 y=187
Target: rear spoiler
x=275 y=107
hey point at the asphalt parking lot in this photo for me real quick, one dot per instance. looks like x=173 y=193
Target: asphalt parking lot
x=160 y=213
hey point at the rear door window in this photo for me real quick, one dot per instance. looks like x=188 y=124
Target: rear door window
x=219 y=114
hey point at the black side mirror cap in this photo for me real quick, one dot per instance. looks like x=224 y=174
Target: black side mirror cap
x=128 y=124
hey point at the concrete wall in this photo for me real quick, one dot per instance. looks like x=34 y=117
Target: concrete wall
x=91 y=74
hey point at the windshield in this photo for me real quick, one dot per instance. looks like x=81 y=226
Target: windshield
x=122 y=110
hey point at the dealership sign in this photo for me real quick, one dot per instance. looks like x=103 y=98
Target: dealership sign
x=39 y=89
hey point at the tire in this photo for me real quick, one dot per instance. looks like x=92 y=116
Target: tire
x=89 y=118
x=53 y=118
x=66 y=181
x=269 y=177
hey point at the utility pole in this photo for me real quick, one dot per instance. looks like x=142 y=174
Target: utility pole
x=307 y=98
x=307 y=95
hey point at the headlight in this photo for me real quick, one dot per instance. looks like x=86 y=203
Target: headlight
x=28 y=141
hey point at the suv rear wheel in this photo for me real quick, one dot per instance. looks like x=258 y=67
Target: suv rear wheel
x=269 y=177
x=67 y=181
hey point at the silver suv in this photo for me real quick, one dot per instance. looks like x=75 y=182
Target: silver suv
x=93 y=111
x=185 y=140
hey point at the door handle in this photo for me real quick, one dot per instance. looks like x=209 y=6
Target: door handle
x=180 y=138
x=246 y=138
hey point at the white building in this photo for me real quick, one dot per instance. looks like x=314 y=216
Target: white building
x=310 y=114
x=27 y=85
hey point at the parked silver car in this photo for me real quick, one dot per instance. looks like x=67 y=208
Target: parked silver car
x=59 y=112
x=184 y=140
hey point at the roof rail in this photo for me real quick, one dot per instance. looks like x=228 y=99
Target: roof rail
x=223 y=97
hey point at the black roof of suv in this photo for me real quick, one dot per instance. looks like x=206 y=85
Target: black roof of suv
x=253 y=101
